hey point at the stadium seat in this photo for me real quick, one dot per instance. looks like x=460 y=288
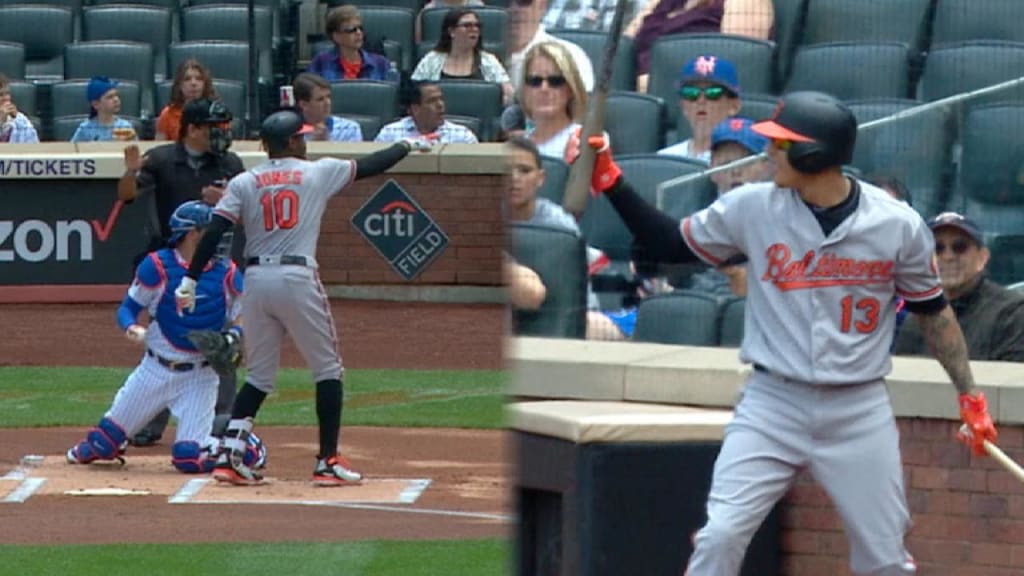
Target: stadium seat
x=120 y=60
x=1006 y=265
x=956 y=68
x=368 y=125
x=733 y=322
x=471 y=122
x=149 y=24
x=75 y=6
x=413 y=5
x=493 y=19
x=391 y=23
x=882 y=70
x=366 y=98
x=963 y=20
x=64 y=126
x=68 y=98
x=556 y=176
x=559 y=257
x=757 y=108
x=12 y=60
x=917 y=149
x=43 y=31
x=635 y=122
x=475 y=98
x=225 y=59
x=866 y=21
x=681 y=317
x=24 y=96
x=789 y=21
x=230 y=22
x=753 y=60
x=593 y=44
x=991 y=180
x=231 y=92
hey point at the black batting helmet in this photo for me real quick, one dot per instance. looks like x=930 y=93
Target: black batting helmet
x=280 y=126
x=821 y=130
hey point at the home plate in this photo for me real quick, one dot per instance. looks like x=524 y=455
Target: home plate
x=370 y=491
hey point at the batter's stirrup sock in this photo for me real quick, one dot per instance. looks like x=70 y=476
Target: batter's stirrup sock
x=236 y=438
x=248 y=402
x=328 y=412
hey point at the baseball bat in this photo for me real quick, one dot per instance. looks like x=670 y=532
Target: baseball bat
x=578 y=188
x=999 y=456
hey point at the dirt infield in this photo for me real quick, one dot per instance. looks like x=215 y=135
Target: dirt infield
x=421 y=483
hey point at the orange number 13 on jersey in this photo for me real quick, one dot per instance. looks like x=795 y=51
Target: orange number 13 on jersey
x=867 y=311
x=280 y=209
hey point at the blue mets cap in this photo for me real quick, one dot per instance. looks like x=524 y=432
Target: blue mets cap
x=711 y=69
x=961 y=223
x=738 y=130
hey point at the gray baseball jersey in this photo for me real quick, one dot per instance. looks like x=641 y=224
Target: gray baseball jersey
x=819 y=309
x=281 y=204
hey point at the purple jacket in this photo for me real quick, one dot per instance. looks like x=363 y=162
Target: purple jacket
x=327 y=65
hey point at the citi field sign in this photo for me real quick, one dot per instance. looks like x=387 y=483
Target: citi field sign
x=400 y=230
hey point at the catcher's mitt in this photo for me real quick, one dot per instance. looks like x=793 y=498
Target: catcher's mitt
x=222 y=349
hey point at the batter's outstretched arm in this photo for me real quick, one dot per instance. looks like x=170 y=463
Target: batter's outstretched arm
x=380 y=161
x=208 y=245
x=946 y=341
x=657 y=233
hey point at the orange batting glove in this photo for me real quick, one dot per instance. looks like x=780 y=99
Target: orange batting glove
x=606 y=171
x=978 y=423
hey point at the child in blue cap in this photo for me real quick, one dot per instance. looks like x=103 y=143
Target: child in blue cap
x=103 y=123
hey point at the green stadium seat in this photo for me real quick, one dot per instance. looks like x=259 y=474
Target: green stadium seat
x=1006 y=265
x=733 y=320
x=903 y=21
x=681 y=317
x=990 y=183
x=956 y=68
x=12 y=60
x=556 y=176
x=882 y=70
x=635 y=122
x=120 y=60
x=148 y=24
x=476 y=98
x=374 y=98
x=44 y=31
x=559 y=257
x=963 y=20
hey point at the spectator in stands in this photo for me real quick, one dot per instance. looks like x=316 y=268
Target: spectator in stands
x=15 y=127
x=195 y=167
x=348 y=60
x=709 y=92
x=313 y=98
x=425 y=103
x=525 y=31
x=552 y=98
x=103 y=123
x=192 y=80
x=991 y=316
x=441 y=4
x=593 y=15
x=526 y=290
x=459 y=54
x=753 y=18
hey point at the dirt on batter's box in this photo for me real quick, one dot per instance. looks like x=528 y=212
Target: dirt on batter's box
x=372 y=334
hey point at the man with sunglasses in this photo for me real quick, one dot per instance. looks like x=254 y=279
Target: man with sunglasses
x=525 y=29
x=709 y=92
x=827 y=256
x=991 y=316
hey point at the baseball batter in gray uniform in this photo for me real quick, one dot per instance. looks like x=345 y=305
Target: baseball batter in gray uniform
x=280 y=204
x=827 y=256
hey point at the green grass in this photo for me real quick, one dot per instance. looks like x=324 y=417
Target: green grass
x=376 y=558
x=46 y=396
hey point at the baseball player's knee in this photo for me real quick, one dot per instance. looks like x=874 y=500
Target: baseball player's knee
x=191 y=458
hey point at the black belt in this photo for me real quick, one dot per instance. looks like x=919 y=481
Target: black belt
x=175 y=365
x=284 y=260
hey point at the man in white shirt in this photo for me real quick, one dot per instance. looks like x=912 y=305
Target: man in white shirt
x=709 y=92
x=525 y=29
x=426 y=119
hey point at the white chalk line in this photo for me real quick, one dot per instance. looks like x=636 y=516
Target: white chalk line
x=189 y=490
x=25 y=490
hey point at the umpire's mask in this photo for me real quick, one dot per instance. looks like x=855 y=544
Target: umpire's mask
x=220 y=140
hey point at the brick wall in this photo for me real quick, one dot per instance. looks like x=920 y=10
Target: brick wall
x=968 y=512
x=467 y=207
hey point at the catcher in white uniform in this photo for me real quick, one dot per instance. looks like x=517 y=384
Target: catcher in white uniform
x=174 y=373
x=827 y=256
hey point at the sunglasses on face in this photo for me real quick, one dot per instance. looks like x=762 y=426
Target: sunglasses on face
x=692 y=93
x=523 y=2
x=538 y=81
x=469 y=25
x=352 y=29
x=958 y=247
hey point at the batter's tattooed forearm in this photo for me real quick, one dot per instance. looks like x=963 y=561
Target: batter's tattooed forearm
x=942 y=334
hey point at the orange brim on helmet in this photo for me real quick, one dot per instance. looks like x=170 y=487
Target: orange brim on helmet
x=774 y=130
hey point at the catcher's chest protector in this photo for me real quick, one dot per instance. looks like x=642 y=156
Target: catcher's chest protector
x=211 y=300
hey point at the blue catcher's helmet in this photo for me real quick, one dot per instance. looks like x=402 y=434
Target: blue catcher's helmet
x=191 y=215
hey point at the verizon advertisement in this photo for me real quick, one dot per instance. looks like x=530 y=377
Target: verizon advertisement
x=69 y=232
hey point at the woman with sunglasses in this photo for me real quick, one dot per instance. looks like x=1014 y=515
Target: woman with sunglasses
x=709 y=92
x=751 y=18
x=440 y=4
x=552 y=98
x=459 y=54
x=347 y=60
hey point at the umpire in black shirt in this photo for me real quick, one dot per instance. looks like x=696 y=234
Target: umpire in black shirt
x=195 y=167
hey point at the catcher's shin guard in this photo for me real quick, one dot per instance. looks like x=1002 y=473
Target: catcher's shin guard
x=231 y=464
x=191 y=458
x=107 y=441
